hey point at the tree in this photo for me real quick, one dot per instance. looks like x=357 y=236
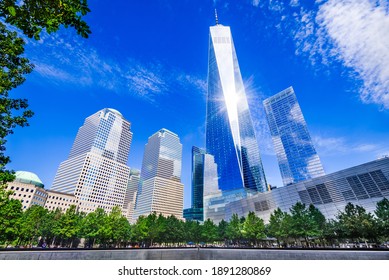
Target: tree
x=117 y=226
x=253 y=228
x=222 y=230
x=279 y=225
x=209 y=232
x=31 y=17
x=355 y=223
x=302 y=224
x=174 y=230
x=32 y=223
x=10 y=218
x=382 y=213
x=234 y=229
x=318 y=221
x=13 y=67
x=69 y=226
x=192 y=231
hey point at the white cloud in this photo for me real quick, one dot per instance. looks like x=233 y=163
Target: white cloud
x=294 y=3
x=360 y=37
x=340 y=145
x=60 y=58
x=353 y=33
x=256 y=3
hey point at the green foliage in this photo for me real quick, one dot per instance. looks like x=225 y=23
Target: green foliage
x=253 y=228
x=174 y=230
x=355 y=223
x=382 y=213
x=13 y=67
x=222 y=230
x=192 y=231
x=234 y=229
x=69 y=225
x=209 y=232
x=279 y=225
x=32 y=223
x=31 y=17
x=10 y=219
x=117 y=226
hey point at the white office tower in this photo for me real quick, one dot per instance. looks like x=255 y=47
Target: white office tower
x=160 y=189
x=130 y=198
x=96 y=171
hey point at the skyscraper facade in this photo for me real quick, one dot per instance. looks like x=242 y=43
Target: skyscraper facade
x=230 y=135
x=131 y=193
x=96 y=171
x=160 y=189
x=297 y=157
x=198 y=160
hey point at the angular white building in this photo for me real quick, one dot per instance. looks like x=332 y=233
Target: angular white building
x=160 y=189
x=96 y=171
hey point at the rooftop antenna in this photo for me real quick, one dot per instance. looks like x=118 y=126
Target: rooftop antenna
x=217 y=20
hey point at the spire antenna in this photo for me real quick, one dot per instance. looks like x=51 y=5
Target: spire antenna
x=217 y=20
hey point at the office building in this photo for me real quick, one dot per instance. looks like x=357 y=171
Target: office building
x=95 y=171
x=131 y=193
x=297 y=157
x=160 y=189
x=230 y=135
x=196 y=210
x=28 y=189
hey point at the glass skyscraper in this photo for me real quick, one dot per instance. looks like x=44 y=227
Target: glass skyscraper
x=160 y=189
x=230 y=135
x=198 y=160
x=96 y=171
x=297 y=157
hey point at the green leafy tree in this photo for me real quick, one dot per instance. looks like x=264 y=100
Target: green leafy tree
x=50 y=225
x=279 y=225
x=140 y=230
x=234 y=229
x=302 y=224
x=13 y=67
x=222 y=230
x=356 y=223
x=382 y=213
x=174 y=230
x=192 y=231
x=318 y=221
x=31 y=17
x=69 y=226
x=10 y=219
x=117 y=226
x=253 y=228
x=209 y=232
x=32 y=223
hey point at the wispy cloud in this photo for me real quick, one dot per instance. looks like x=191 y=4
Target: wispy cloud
x=360 y=37
x=353 y=33
x=60 y=58
x=328 y=146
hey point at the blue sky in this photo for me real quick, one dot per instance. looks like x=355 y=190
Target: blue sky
x=148 y=59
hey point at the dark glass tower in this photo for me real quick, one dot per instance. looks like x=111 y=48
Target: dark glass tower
x=198 y=163
x=297 y=157
x=230 y=135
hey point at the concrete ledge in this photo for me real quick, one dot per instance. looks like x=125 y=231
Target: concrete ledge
x=195 y=254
